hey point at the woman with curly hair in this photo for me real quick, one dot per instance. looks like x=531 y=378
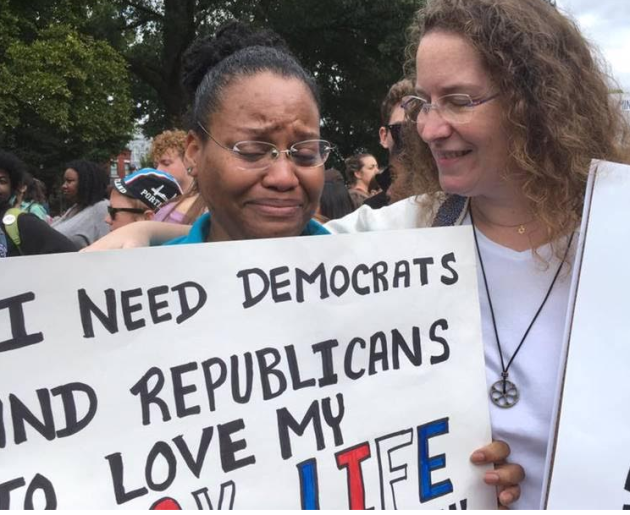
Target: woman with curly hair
x=85 y=187
x=167 y=154
x=510 y=106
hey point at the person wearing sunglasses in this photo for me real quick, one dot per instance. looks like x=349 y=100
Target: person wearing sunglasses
x=393 y=181
x=139 y=196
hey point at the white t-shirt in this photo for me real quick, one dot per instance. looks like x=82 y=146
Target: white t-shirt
x=518 y=283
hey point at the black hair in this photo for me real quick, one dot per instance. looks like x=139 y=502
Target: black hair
x=237 y=50
x=335 y=201
x=93 y=182
x=14 y=166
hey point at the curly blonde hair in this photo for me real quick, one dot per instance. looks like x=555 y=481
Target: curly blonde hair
x=559 y=112
x=166 y=141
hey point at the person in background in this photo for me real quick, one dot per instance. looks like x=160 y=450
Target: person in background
x=395 y=184
x=510 y=106
x=139 y=195
x=23 y=233
x=85 y=187
x=360 y=171
x=31 y=198
x=183 y=209
x=335 y=201
x=167 y=153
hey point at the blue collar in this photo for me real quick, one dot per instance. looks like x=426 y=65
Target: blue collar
x=201 y=229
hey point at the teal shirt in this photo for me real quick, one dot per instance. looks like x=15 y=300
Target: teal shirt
x=201 y=228
x=37 y=209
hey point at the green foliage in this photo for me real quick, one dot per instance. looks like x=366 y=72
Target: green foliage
x=63 y=96
x=354 y=47
x=69 y=68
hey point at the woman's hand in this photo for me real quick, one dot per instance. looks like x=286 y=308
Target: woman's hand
x=505 y=476
x=139 y=234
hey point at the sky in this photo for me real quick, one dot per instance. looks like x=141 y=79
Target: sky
x=606 y=23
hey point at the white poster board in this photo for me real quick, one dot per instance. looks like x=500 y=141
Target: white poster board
x=331 y=372
x=589 y=461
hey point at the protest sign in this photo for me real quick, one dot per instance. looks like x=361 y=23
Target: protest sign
x=589 y=461
x=331 y=372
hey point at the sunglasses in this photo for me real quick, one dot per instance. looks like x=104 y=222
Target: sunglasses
x=395 y=129
x=114 y=210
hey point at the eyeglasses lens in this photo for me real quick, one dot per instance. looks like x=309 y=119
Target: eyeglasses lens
x=454 y=108
x=258 y=155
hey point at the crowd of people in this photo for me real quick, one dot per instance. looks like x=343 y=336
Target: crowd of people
x=495 y=128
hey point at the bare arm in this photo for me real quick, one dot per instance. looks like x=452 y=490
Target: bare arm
x=139 y=234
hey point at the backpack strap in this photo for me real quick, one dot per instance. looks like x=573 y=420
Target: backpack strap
x=10 y=222
x=3 y=244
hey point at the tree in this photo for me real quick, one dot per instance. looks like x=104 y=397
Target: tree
x=65 y=91
x=354 y=47
x=63 y=95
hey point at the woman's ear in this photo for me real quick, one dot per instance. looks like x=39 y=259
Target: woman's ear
x=192 y=156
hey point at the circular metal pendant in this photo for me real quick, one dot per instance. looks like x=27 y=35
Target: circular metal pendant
x=504 y=393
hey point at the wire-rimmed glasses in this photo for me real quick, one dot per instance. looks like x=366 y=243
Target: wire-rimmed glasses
x=456 y=108
x=259 y=155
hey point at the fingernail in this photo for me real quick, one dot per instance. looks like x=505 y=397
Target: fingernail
x=491 y=478
x=506 y=498
x=478 y=457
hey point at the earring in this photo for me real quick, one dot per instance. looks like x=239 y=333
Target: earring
x=189 y=170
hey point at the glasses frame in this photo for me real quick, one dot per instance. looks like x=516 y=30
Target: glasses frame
x=428 y=106
x=274 y=151
x=113 y=211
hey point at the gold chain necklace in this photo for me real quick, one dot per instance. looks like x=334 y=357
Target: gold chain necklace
x=520 y=227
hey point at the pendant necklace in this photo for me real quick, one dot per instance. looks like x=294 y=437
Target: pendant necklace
x=520 y=228
x=504 y=393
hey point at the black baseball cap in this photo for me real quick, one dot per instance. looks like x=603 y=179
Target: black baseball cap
x=152 y=187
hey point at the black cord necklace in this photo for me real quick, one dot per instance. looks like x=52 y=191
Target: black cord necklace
x=504 y=393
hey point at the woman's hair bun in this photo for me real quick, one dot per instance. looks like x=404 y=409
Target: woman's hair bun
x=208 y=51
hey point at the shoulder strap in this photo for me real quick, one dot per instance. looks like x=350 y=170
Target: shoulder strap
x=451 y=212
x=3 y=244
x=10 y=222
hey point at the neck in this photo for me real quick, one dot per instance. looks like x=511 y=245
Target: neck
x=217 y=233
x=508 y=221
x=502 y=211
x=185 y=183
